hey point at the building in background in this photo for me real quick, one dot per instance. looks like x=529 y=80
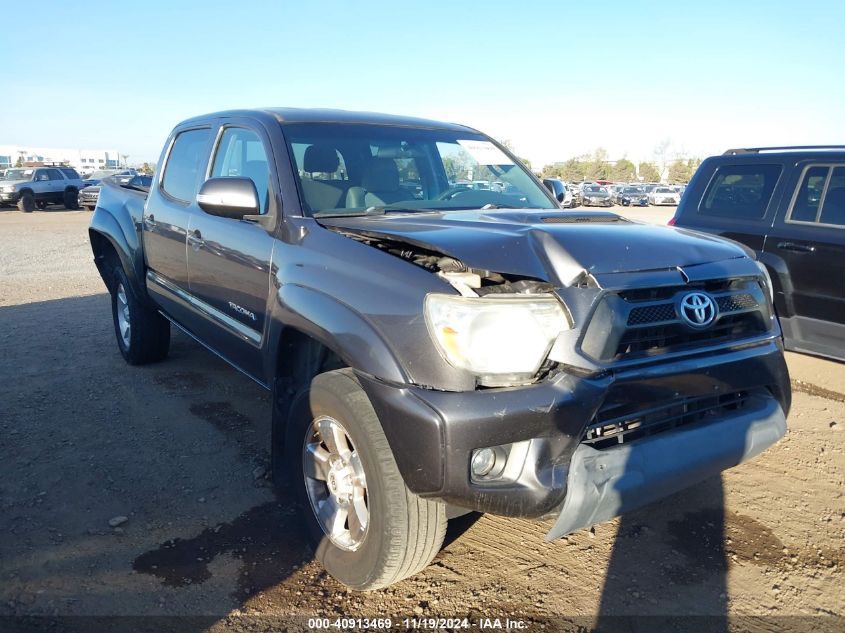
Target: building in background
x=83 y=160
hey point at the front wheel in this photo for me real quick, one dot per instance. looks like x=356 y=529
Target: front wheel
x=26 y=203
x=143 y=335
x=369 y=530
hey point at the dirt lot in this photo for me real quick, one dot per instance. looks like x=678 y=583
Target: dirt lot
x=179 y=449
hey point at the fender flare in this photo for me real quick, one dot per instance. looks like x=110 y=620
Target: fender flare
x=125 y=244
x=782 y=282
x=336 y=326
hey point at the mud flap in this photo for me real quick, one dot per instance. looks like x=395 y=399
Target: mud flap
x=603 y=484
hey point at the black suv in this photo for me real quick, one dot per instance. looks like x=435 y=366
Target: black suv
x=788 y=205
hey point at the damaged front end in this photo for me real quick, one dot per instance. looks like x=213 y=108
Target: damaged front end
x=500 y=328
x=589 y=395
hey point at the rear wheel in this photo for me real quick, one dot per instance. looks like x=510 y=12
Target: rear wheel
x=41 y=204
x=26 y=203
x=143 y=335
x=369 y=530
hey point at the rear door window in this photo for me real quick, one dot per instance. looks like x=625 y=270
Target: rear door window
x=186 y=159
x=820 y=198
x=742 y=192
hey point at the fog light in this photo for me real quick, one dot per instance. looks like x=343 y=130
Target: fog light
x=483 y=462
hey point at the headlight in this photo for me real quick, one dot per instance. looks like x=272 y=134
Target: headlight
x=503 y=340
x=768 y=279
x=8 y=188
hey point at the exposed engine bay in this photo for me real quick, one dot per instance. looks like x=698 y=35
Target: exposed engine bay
x=469 y=282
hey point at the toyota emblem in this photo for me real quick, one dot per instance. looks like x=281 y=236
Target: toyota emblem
x=698 y=309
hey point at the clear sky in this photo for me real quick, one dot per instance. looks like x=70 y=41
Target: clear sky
x=558 y=79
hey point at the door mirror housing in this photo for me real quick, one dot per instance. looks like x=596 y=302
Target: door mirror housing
x=229 y=197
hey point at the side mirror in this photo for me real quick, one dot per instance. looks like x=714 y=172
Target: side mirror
x=231 y=197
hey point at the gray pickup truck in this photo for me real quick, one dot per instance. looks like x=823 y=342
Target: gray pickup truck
x=434 y=349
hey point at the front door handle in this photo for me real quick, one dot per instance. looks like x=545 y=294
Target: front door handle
x=195 y=238
x=796 y=248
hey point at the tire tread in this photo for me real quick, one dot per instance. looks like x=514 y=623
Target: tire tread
x=425 y=521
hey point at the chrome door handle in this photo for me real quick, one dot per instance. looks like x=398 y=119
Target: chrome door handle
x=796 y=248
x=195 y=238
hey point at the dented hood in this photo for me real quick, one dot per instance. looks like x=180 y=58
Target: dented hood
x=545 y=244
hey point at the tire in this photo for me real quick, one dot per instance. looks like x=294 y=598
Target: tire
x=90 y=207
x=403 y=531
x=26 y=203
x=143 y=335
x=70 y=200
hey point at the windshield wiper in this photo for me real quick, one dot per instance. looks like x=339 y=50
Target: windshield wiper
x=370 y=211
x=494 y=205
x=353 y=214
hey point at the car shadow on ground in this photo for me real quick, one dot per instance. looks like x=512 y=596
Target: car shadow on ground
x=669 y=563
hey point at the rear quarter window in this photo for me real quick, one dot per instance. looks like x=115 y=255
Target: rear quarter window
x=741 y=192
x=187 y=157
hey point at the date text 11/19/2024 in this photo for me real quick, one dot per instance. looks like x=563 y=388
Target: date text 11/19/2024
x=417 y=623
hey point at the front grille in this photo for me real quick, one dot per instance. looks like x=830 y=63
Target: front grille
x=644 y=322
x=621 y=424
x=660 y=339
x=652 y=314
x=735 y=303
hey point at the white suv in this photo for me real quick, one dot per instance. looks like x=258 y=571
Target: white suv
x=31 y=187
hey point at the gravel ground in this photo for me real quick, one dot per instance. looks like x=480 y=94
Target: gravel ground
x=140 y=491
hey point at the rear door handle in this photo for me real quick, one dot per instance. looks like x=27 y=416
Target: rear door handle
x=195 y=238
x=796 y=248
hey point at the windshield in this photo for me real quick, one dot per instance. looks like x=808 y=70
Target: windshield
x=596 y=189
x=18 y=174
x=632 y=190
x=344 y=169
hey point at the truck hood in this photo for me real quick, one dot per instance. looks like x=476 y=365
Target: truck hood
x=545 y=244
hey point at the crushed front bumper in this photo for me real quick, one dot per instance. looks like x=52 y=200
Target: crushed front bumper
x=433 y=435
x=604 y=484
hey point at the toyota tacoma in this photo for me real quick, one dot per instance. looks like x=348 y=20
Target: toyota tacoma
x=432 y=349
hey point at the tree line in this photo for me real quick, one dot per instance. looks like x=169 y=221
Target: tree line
x=597 y=167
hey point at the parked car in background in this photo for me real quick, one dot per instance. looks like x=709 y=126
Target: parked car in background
x=633 y=197
x=663 y=195
x=95 y=177
x=560 y=191
x=788 y=205
x=36 y=187
x=597 y=196
x=577 y=196
x=615 y=190
x=89 y=195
